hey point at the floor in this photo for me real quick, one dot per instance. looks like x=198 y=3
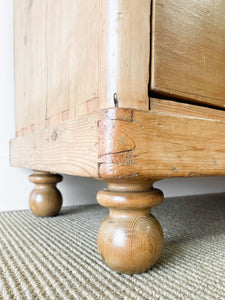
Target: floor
x=57 y=258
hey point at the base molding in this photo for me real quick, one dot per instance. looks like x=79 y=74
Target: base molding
x=125 y=143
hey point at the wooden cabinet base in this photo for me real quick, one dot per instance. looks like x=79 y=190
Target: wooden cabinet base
x=45 y=199
x=124 y=147
x=86 y=74
x=130 y=239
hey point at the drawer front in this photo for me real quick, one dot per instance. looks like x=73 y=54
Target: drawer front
x=188 y=50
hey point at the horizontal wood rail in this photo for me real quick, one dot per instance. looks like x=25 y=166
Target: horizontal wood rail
x=125 y=143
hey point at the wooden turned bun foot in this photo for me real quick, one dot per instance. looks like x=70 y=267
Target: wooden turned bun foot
x=130 y=239
x=45 y=199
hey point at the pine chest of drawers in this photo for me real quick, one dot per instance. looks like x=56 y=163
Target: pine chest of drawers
x=124 y=91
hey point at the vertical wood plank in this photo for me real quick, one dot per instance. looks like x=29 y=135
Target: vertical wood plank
x=134 y=53
x=30 y=58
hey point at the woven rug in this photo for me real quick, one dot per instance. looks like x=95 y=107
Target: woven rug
x=57 y=258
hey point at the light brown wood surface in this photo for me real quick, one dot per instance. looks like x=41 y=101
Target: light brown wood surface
x=123 y=143
x=74 y=57
x=183 y=109
x=158 y=145
x=82 y=76
x=45 y=199
x=56 y=44
x=133 y=53
x=130 y=239
x=70 y=146
x=188 y=50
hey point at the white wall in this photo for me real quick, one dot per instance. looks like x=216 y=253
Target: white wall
x=14 y=184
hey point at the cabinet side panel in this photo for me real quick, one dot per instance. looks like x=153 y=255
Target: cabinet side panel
x=75 y=57
x=73 y=44
x=58 y=48
x=30 y=57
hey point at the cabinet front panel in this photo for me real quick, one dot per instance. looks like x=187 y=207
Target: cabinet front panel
x=188 y=50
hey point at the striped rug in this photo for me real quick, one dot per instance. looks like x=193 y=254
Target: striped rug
x=57 y=258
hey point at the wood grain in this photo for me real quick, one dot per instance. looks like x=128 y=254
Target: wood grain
x=123 y=143
x=29 y=57
x=45 y=199
x=160 y=145
x=70 y=146
x=130 y=239
x=183 y=109
x=51 y=52
x=188 y=50
x=134 y=53
x=79 y=56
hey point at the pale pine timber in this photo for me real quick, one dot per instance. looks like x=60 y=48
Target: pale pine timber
x=188 y=50
x=123 y=143
x=45 y=199
x=130 y=239
x=161 y=145
x=70 y=146
x=58 y=41
x=175 y=108
x=76 y=59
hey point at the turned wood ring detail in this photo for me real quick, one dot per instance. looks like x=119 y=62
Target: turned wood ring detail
x=130 y=239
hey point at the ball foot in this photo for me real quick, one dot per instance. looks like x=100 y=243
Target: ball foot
x=130 y=239
x=45 y=199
